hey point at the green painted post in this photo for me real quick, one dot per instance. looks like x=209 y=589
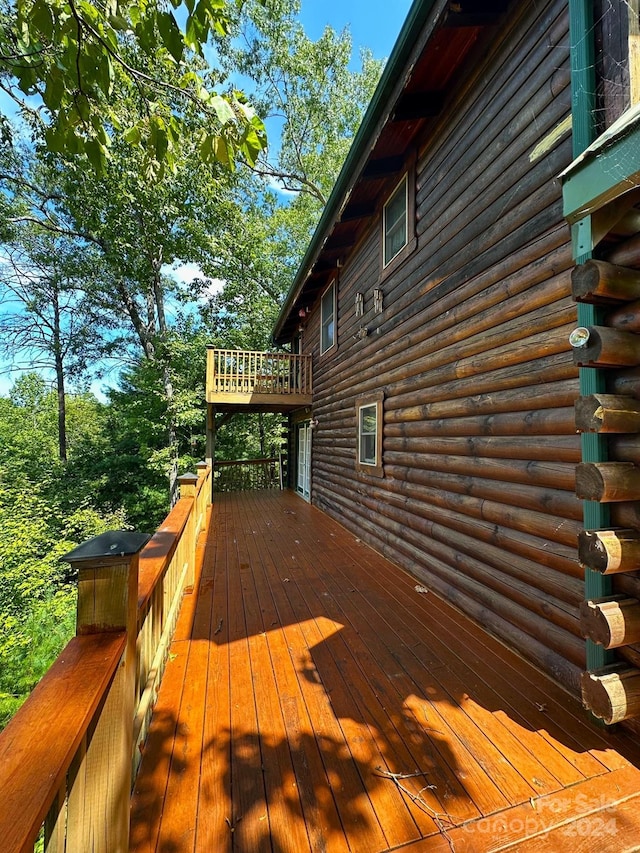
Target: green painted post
x=592 y=380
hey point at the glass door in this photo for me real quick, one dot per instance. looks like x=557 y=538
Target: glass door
x=303 y=474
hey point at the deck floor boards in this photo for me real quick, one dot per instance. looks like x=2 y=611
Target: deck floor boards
x=314 y=700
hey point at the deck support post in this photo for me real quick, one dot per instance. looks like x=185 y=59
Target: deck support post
x=100 y=776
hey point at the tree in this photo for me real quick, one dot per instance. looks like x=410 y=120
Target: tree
x=43 y=514
x=309 y=90
x=47 y=322
x=73 y=55
x=305 y=87
x=131 y=228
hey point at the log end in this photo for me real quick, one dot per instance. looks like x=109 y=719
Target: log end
x=607 y=481
x=611 y=622
x=608 y=413
x=589 y=482
x=592 y=550
x=585 y=279
x=589 y=414
x=613 y=693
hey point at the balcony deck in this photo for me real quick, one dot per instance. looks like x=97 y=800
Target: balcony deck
x=316 y=700
x=249 y=381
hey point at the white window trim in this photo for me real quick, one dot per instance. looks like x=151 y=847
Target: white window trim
x=404 y=180
x=361 y=435
x=371 y=469
x=335 y=318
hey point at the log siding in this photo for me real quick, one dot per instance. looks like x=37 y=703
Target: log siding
x=471 y=353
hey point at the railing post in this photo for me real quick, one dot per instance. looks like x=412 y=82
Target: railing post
x=100 y=776
x=201 y=497
x=188 y=483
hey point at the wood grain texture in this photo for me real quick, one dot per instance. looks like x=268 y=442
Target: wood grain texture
x=313 y=670
x=33 y=761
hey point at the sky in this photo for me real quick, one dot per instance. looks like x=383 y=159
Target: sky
x=374 y=24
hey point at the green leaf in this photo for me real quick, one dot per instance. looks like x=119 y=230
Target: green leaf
x=120 y=23
x=42 y=19
x=221 y=152
x=132 y=135
x=223 y=109
x=194 y=34
x=170 y=34
x=251 y=146
x=96 y=155
x=159 y=138
x=54 y=90
x=206 y=148
x=55 y=141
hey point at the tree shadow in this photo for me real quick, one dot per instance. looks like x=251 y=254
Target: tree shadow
x=353 y=721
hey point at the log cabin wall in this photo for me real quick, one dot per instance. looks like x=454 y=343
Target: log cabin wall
x=471 y=353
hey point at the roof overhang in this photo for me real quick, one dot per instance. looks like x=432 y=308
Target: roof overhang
x=435 y=39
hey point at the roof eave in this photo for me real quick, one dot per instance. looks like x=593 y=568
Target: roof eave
x=376 y=115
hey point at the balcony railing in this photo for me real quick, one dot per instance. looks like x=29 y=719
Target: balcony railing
x=244 y=376
x=68 y=757
x=248 y=475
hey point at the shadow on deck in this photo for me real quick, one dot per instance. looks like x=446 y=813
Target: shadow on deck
x=317 y=699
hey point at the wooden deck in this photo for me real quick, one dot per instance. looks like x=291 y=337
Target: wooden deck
x=317 y=699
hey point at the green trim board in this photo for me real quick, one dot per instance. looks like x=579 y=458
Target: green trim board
x=606 y=170
x=575 y=190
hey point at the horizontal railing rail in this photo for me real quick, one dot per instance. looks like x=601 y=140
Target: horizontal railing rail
x=69 y=756
x=247 y=475
x=250 y=372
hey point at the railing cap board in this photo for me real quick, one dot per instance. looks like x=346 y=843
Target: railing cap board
x=112 y=544
x=38 y=744
x=160 y=548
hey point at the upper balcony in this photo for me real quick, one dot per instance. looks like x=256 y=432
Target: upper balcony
x=240 y=380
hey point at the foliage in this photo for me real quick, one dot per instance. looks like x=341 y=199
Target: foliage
x=75 y=55
x=37 y=604
x=309 y=91
x=52 y=326
x=305 y=86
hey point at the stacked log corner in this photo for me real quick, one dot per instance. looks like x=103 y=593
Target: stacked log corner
x=613 y=692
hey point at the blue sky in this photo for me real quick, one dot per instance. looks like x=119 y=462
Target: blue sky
x=373 y=23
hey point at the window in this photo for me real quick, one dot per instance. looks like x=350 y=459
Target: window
x=395 y=222
x=328 y=318
x=369 y=413
x=368 y=433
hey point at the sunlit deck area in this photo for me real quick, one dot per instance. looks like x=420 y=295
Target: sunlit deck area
x=317 y=698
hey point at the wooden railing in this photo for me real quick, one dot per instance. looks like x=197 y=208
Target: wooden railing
x=247 y=372
x=247 y=475
x=69 y=756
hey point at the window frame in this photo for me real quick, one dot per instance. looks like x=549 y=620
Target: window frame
x=387 y=267
x=403 y=182
x=375 y=469
x=334 y=316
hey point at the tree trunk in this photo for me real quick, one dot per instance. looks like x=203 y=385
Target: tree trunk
x=59 y=368
x=156 y=299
